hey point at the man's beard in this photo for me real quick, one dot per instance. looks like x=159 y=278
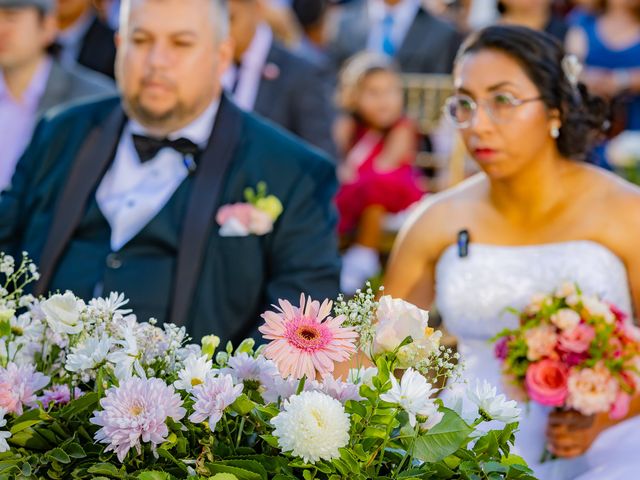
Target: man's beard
x=149 y=118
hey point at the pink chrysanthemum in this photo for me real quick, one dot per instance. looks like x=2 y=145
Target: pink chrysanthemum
x=18 y=387
x=136 y=410
x=212 y=397
x=305 y=339
x=59 y=395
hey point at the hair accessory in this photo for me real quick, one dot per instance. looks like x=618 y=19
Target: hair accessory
x=572 y=69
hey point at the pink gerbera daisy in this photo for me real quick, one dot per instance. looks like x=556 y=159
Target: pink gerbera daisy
x=306 y=340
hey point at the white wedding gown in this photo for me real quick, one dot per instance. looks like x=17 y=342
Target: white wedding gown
x=472 y=294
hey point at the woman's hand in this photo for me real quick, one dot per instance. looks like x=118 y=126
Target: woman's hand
x=570 y=434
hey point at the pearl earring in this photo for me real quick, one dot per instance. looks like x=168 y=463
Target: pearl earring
x=555 y=131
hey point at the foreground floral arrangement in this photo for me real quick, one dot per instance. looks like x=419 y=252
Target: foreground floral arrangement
x=573 y=351
x=87 y=391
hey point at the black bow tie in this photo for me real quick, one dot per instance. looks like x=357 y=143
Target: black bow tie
x=148 y=147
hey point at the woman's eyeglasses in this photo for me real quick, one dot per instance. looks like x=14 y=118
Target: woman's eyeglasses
x=461 y=109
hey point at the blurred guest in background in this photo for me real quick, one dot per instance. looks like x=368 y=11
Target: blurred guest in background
x=419 y=41
x=269 y=79
x=378 y=146
x=312 y=17
x=30 y=80
x=535 y=14
x=84 y=38
x=609 y=45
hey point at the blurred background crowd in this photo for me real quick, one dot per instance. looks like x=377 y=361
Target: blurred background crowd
x=362 y=80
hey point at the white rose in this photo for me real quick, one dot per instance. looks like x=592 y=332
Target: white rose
x=63 y=314
x=566 y=290
x=398 y=320
x=565 y=319
x=596 y=308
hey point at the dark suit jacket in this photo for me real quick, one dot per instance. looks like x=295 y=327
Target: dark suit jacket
x=298 y=98
x=98 y=51
x=218 y=284
x=68 y=84
x=430 y=45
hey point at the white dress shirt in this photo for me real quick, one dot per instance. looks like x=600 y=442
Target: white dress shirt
x=131 y=193
x=250 y=70
x=403 y=15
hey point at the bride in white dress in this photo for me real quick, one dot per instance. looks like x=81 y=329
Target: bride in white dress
x=535 y=218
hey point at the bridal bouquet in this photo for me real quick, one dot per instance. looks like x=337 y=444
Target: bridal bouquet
x=88 y=391
x=573 y=351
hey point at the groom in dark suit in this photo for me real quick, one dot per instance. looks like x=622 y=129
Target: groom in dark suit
x=124 y=194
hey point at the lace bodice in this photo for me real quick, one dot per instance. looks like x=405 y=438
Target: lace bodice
x=473 y=292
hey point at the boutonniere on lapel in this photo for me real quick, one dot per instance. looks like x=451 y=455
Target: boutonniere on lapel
x=256 y=216
x=271 y=71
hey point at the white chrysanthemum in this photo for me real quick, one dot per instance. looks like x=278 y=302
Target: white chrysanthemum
x=126 y=359
x=413 y=394
x=313 y=426
x=194 y=373
x=111 y=305
x=492 y=406
x=4 y=446
x=90 y=354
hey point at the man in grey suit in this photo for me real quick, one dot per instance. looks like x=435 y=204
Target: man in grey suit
x=31 y=81
x=276 y=83
x=419 y=41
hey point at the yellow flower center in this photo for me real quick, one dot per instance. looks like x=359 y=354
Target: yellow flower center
x=196 y=381
x=136 y=410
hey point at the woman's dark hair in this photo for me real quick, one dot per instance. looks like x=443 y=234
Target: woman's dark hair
x=584 y=117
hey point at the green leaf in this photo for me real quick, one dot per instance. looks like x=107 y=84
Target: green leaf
x=271 y=440
x=75 y=450
x=241 y=473
x=443 y=439
x=250 y=465
x=243 y=405
x=105 y=469
x=154 y=475
x=88 y=401
x=29 y=439
x=18 y=427
x=59 y=455
x=355 y=407
x=165 y=454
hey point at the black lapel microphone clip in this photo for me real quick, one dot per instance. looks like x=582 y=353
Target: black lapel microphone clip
x=463 y=243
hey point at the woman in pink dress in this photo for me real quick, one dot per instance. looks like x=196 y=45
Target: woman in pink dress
x=379 y=146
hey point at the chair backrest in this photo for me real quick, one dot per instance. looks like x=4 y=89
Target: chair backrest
x=425 y=95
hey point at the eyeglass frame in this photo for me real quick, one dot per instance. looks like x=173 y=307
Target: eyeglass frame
x=516 y=102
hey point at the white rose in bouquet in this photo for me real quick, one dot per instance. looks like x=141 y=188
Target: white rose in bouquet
x=63 y=313
x=397 y=320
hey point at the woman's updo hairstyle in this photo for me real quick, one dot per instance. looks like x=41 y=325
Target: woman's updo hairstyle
x=543 y=59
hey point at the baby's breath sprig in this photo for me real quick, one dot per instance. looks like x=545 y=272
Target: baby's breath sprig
x=360 y=313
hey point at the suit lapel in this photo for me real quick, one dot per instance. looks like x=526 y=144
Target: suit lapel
x=57 y=88
x=90 y=164
x=268 y=88
x=205 y=196
x=415 y=37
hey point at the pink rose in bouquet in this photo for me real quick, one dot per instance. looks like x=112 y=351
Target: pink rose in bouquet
x=578 y=339
x=546 y=382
